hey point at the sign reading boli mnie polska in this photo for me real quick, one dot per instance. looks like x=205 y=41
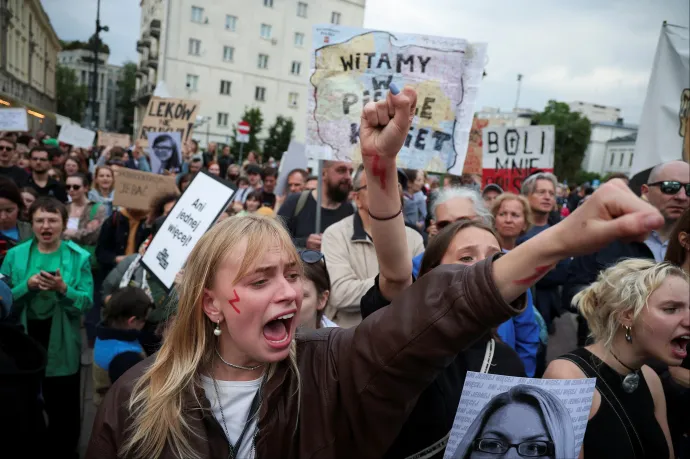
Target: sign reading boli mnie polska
x=510 y=154
x=168 y=115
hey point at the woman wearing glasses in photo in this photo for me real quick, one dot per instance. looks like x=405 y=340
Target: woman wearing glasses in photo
x=528 y=420
x=165 y=150
x=231 y=379
x=637 y=311
x=316 y=288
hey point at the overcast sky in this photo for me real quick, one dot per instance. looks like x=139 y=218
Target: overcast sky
x=597 y=51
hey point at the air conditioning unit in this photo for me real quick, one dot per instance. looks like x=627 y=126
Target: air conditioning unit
x=274 y=41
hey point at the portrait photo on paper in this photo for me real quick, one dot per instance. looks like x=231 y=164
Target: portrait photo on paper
x=165 y=151
x=503 y=416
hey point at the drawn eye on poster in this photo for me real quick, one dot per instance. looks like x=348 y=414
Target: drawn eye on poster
x=352 y=66
x=166 y=151
x=544 y=418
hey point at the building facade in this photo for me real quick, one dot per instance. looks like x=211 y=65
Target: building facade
x=519 y=117
x=81 y=62
x=596 y=113
x=233 y=55
x=28 y=57
x=595 y=159
x=619 y=154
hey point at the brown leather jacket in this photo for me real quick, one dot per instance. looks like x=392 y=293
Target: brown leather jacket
x=358 y=385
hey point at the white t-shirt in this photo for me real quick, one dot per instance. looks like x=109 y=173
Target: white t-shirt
x=236 y=398
x=73 y=223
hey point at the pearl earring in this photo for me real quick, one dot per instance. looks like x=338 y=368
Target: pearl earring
x=217 y=330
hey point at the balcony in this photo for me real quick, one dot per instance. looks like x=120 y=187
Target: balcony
x=155 y=28
x=140 y=46
x=146 y=40
x=144 y=93
x=151 y=62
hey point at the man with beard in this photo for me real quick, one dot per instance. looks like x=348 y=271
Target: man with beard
x=299 y=210
x=39 y=179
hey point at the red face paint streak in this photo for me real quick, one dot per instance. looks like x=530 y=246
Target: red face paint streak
x=379 y=172
x=233 y=301
x=540 y=271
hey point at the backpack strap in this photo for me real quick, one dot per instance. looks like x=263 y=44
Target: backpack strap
x=301 y=202
x=610 y=398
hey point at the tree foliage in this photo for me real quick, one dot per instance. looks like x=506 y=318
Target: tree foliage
x=572 y=132
x=278 y=140
x=126 y=88
x=71 y=96
x=255 y=119
x=76 y=44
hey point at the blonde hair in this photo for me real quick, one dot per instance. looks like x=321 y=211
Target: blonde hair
x=526 y=209
x=156 y=404
x=621 y=288
x=95 y=177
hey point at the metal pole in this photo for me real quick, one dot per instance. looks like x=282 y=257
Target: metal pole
x=319 y=196
x=241 y=147
x=208 y=127
x=95 y=65
x=517 y=98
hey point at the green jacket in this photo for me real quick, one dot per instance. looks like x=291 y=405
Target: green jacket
x=64 y=347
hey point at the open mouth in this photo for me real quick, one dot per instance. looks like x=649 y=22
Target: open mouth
x=277 y=331
x=679 y=346
x=46 y=234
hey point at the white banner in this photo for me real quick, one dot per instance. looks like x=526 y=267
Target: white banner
x=293 y=158
x=195 y=212
x=13 y=119
x=76 y=136
x=549 y=414
x=664 y=133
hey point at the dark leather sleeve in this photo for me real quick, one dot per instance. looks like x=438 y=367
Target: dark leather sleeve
x=121 y=363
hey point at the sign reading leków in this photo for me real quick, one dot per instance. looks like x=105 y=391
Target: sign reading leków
x=168 y=115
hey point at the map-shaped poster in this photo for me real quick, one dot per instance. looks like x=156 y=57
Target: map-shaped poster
x=352 y=66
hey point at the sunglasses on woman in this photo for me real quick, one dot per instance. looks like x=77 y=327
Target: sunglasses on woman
x=671 y=187
x=310 y=256
x=72 y=187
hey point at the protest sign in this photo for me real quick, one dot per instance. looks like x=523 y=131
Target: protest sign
x=168 y=115
x=352 y=66
x=111 y=139
x=13 y=119
x=511 y=154
x=294 y=158
x=135 y=189
x=473 y=159
x=166 y=152
x=77 y=136
x=195 y=212
x=553 y=411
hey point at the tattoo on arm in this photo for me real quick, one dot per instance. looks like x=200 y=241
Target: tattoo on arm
x=539 y=272
x=232 y=301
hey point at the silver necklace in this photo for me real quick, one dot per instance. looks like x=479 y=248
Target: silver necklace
x=239 y=367
x=632 y=380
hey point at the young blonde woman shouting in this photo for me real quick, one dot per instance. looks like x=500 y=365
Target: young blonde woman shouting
x=232 y=380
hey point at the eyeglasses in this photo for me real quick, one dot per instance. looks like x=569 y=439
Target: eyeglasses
x=525 y=449
x=443 y=223
x=72 y=187
x=361 y=188
x=44 y=160
x=6 y=148
x=310 y=256
x=671 y=187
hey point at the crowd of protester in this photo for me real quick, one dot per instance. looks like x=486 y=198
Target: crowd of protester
x=409 y=286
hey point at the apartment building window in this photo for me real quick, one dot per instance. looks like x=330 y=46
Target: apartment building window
x=620 y=163
x=295 y=67
x=265 y=31
x=260 y=93
x=225 y=87
x=222 y=119
x=228 y=53
x=293 y=99
x=613 y=157
x=263 y=61
x=197 y=14
x=83 y=78
x=192 y=82
x=335 y=18
x=302 y=9
x=194 y=46
x=299 y=39
x=230 y=23
x=631 y=159
x=268 y=3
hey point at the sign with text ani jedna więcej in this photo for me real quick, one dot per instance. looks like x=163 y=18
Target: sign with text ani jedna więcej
x=510 y=154
x=135 y=189
x=352 y=66
x=195 y=212
x=168 y=115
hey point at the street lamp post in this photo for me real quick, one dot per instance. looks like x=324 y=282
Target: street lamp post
x=94 y=85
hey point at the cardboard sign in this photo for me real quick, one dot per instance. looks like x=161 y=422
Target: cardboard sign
x=77 y=136
x=168 y=115
x=111 y=139
x=352 y=66
x=193 y=214
x=553 y=411
x=135 y=189
x=13 y=119
x=166 y=152
x=473 y=160
x=511 y=154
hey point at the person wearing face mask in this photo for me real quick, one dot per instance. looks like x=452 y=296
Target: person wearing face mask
x=233 y=173
x=52 y=287
x=12 y=230
x=637 y=310
x=316 y=287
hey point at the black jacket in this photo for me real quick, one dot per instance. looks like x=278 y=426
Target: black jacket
x=112 y=241
x=584 y=270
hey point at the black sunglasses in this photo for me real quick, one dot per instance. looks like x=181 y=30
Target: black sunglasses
x=72 y=187
x=311 y=256
x=671 y=187
x=6 y=148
